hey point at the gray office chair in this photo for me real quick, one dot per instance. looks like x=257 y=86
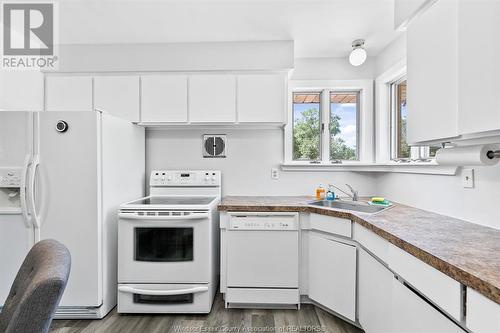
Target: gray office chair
x=37 y=289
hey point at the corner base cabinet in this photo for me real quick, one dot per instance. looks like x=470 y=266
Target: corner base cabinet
x=332 y=274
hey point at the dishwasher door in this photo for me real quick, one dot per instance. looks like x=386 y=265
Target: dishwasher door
x=262 y=258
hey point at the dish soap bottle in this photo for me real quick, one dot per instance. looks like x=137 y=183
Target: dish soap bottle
x=330 y=195
x=320 y=192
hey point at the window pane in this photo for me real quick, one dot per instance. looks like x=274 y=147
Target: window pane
x=403 y=150
x=344 y=126
x=306 y=126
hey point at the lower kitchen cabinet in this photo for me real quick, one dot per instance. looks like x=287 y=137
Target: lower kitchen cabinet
x=412 y=314
x=332 y=274
x=375 y=289
x=483 y=315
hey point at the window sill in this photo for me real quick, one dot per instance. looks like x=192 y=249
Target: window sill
x=430 y=168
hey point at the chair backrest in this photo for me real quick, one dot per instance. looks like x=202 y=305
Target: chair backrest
x=37 y=289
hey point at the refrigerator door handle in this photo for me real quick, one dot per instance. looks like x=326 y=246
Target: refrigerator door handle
x=24 y=193
x=34 y=168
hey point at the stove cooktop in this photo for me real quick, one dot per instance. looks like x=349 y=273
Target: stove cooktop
x=172 y=201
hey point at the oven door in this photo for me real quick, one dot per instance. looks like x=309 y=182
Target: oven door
x=160 y=247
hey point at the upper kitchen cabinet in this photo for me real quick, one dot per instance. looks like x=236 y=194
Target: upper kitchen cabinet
x=212 y=98
x=164 y=98
x=118 y=95
x=68 y=93
x=479 y=66
x=21 y=90
x=261 y=98
x=453 y=59
x=432 y=74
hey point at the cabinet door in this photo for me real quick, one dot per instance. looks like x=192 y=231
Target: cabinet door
x=212 y=98
x=479 y=68
x=164 y=98
x=21 y=90
x=483 y=315
x=411 y=314
x=332 y=274
x=375 y=289
x=68 y=93
x=118 y=95
x=432 y=74
x=261 y=98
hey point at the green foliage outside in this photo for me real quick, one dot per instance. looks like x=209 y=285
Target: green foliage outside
x=306 y=136
x=404 y=149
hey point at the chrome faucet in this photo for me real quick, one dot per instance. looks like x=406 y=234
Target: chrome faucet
x=353 y=195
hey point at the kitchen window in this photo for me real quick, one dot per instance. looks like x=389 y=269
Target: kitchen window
x=400 y=150
x=331 y=124
x=344 y=125
x=310 y=133
x=306 y=114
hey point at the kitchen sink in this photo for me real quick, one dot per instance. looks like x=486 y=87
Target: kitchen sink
x=357 y=206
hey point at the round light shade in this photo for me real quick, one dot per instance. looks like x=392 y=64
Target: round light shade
x=357 y=56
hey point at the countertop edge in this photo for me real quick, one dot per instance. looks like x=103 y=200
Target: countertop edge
x=485 y=288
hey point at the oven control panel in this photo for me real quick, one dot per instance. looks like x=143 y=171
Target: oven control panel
x=171 y=178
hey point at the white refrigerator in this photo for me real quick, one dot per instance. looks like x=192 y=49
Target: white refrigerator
x=63 y=176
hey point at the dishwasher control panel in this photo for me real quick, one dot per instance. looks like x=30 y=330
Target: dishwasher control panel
x=263 y=222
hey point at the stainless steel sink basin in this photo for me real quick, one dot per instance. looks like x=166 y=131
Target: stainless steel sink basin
x=356 y=206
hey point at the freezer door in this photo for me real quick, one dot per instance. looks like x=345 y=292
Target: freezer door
x=15 y=242
x=15 y=137
x=68 y=197
x=16 y=232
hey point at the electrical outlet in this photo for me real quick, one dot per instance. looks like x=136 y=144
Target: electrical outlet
x=468 y=178
x=275 y=173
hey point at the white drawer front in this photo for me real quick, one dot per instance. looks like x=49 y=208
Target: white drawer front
x=438 y=287
x=371 y=241
x=164 y=298
x=330 y=224
x=262 y=296
x=483 y=315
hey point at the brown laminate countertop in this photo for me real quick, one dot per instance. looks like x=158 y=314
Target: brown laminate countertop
x=467 y=252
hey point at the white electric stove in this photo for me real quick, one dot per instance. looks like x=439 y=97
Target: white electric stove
x=168 y=243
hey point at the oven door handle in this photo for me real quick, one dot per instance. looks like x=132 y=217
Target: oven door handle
x=132 y=216
x=132 y=290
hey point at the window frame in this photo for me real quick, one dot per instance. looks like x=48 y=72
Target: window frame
x=321 y=129
x=358 y=122
x=418 y=154
x=365 y=117
x=395 y=128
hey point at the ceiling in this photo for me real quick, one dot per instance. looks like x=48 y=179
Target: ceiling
x=319 y=28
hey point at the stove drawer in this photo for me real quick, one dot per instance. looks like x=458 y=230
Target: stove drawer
x=164 y=298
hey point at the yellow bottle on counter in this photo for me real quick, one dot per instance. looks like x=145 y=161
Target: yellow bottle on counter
x=320 y=192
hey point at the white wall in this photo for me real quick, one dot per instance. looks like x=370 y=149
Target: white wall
x=332 y=69
x=446 y=195
x=252 y=153
x=247 y=169
x=144 y=57
x=437 y=193
x=391 y=55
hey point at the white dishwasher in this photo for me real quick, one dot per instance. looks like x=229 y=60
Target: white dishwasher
x=260 y=259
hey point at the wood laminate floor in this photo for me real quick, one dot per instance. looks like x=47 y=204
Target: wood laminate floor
x=308 y=319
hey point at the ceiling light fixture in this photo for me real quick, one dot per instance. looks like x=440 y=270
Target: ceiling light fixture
x=358 y=53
